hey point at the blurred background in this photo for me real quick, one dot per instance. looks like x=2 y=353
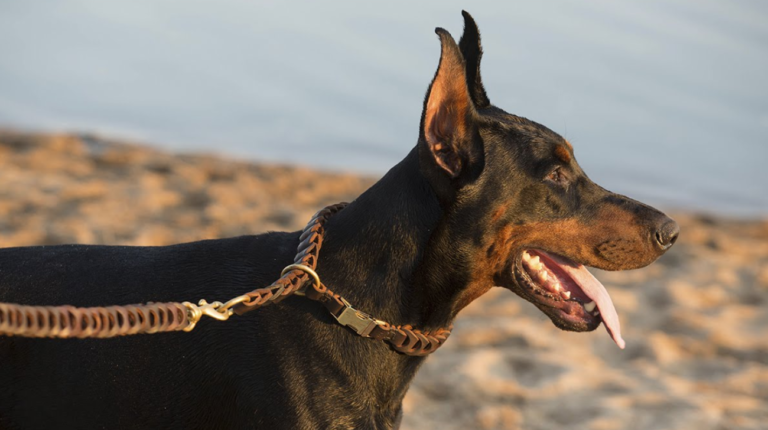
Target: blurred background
x=664 y=100
x=156 y=122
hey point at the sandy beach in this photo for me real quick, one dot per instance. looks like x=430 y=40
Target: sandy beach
x=695 y=322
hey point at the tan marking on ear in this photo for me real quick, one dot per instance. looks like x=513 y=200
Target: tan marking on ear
x=448 y=100
x=448 y=104
x=569 y=144
x=562 y=153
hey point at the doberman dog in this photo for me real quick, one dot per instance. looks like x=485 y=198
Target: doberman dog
x=484 y=199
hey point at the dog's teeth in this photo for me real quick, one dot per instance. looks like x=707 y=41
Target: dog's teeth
x=566 y=294
x=526 y=256
x=543 y=276
x=535 y=263
x=590 y=306
x=596 y=313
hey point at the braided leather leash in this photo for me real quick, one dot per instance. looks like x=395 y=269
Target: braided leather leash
x=298 y=279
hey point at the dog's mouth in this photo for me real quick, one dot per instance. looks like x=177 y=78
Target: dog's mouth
x=566 y=291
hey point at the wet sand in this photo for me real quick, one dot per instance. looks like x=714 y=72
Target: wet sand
x=695 y=322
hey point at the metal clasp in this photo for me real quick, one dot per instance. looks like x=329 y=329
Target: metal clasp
x=216 y=310
x=360 y=322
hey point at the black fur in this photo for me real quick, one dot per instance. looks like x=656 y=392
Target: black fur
x=473 y=53
x=407 y=251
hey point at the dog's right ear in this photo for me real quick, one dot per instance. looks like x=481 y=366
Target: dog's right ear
x=472 y=51
x=448 y=109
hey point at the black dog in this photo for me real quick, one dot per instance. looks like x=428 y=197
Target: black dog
x=484 y=199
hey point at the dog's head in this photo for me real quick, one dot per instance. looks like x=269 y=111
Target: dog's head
x=517 y=195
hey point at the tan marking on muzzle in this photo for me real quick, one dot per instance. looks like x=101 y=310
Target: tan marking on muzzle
x=612 y=239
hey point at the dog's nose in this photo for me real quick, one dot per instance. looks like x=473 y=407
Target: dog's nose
x=666 y=235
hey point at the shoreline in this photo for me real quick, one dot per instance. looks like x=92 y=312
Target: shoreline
x=695 y=321
x=737 y=211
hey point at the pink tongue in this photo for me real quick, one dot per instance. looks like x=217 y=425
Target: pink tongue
x=595 y=291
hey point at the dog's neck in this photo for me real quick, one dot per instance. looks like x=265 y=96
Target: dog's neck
x=398 y=255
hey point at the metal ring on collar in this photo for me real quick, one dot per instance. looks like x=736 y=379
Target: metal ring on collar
x=305 y=269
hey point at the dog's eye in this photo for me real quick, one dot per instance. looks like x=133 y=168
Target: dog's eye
x=557 y=176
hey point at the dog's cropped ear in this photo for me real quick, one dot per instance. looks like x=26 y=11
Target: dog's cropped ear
x=472 y=50
x=448 y=110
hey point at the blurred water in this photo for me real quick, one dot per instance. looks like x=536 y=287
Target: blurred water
x=665 y=101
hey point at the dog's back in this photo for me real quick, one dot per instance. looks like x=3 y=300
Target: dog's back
x=88 y=274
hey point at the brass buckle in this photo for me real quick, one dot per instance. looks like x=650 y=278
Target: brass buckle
x=360 y=322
